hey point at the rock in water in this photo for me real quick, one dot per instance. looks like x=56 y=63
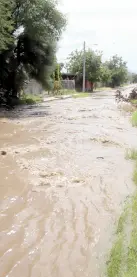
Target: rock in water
x=3 y=153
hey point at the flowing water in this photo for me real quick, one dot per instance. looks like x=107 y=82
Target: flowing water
x=63 y=184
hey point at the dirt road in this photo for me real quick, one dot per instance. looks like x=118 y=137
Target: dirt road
x=63 y=184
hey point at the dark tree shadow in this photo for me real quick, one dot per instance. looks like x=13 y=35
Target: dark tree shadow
x=19 y=112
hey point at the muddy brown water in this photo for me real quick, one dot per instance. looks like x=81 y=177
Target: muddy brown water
x=63 y=184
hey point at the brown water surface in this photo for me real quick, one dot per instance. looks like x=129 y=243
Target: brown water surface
x=63 y=184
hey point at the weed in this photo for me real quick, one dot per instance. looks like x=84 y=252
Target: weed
x=103 y=89
x=131 y=154
x=81 y=95
x=116 y=254
x=62 y=92
x=123 y=259
x=29 y=99
x=135 y=175
x=134 y=101
x=67 y=92
x=115 y=258
x=132 y=249
x=121 y=221
x=134 y=119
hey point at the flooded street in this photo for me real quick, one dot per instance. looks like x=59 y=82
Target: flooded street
x=63 y=185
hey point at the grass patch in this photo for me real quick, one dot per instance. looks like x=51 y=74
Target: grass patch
x=123 y=256
x=67 y=92
x=29 y=99
x=135 y=175
x=115 y=258
x=134 y=119
x=103 y=89
x=121 y=222
x=134 y=101
x=62 y=92
x=132 y=249
x=117 y=251
x=81 y=95
x=131 y=154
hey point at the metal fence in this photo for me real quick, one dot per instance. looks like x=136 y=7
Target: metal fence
x=68 y=84
x=32 y=87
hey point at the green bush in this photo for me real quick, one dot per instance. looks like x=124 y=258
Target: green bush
x=131 y=154
x=30 y=99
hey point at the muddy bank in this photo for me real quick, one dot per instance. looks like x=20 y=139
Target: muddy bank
x=127 y=94
x=65 y=180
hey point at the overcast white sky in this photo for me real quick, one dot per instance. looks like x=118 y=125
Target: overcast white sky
x=112 y=24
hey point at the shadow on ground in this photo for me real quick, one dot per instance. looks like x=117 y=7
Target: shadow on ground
x=25 y=112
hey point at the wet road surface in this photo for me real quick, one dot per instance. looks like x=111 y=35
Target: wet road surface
x=63 y=184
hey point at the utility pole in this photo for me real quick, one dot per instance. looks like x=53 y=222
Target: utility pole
x=84 y=66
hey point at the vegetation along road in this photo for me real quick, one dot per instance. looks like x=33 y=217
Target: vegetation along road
x=65 y=183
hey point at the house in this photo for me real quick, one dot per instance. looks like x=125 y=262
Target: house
x=68 y=81
x=68 y=76
x=72 y=81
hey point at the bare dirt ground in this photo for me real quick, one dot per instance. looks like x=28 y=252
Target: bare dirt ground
x=63 y=184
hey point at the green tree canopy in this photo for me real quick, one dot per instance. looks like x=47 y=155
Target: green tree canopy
x=6 y=24
x=118 y=70
x=106 y=75
x=134 y=77
x=37 y=26
x=93 y=64
x=111 y=73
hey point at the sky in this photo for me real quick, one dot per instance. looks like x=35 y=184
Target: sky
x=106 y=25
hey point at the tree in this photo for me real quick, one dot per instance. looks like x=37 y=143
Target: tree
x=93 y=65
x=118 y=70
x=130 y=77
x=37 y=28
x=106 y=75
x=134 y=78
x=61 y=66
x=57 y=73
x=6 y=24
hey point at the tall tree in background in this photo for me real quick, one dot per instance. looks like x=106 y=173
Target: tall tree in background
x=106 y=75
x=111 y=73
x=93 y=65
x=36 y=26
x=134 y=78
x=118 y=70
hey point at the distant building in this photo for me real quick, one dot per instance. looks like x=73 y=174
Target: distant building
x=89 y=86
x=68 y=81
x=74 y=82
